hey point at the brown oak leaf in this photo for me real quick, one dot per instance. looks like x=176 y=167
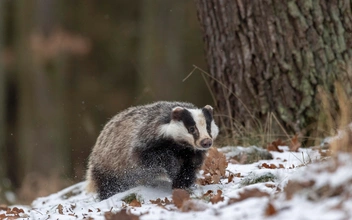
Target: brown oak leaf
x=122 y=215
x=161 y=203
x=294 y=144
x=270 y=210
x=214 y=167
x=248 y=193
x=274 y=146
x=135 y=203
x=217 y=198
x=179 y=196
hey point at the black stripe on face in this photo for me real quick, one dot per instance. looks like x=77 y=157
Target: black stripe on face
x=208 y=118
x=190 y=124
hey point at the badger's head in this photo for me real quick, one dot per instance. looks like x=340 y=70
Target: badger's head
x=195 y=127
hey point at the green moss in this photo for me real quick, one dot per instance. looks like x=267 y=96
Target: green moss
x=129 y=198
x=253 y=179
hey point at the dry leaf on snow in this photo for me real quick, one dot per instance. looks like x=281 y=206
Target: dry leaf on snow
x=60 y=209
x=217 y=198
x=248 y=193
x=230 y=178
x=182 y=201
x=135 y=203
x=122 y=215
x=179 y=196
x=13 y=213
x=267 y=166
x=214 y=167
x=193 y=205
x=270 y=209
x=293 y=187
x=294 y=144
x=271 y=166
x=274 y=146
x=161 y=202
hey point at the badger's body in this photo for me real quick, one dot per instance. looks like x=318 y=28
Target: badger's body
x=161 y=141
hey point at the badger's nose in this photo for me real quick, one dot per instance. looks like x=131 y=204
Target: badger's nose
x=206 y=143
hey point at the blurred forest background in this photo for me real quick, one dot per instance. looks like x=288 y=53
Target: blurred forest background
x=276 y=68
x=67 y=66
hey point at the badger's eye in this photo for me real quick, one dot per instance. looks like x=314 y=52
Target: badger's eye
x=191 y=129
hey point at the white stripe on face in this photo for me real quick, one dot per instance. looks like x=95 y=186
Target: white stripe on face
x=201 y=125
x=214 y=130
x=177 y=131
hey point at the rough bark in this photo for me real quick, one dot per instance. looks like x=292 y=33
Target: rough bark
x=271 y=56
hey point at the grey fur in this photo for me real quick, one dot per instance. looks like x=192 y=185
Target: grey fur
x=134 y=130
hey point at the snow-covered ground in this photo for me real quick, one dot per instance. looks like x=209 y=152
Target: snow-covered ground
x=293 y=185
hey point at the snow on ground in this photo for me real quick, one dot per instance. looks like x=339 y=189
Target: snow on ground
x=293 y=185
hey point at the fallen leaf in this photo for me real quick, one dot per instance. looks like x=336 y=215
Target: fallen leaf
x=274 y=146
x=161 y=203
x=230 y=178
x=270 y=210
x=248 y=193
x=16 y=210
x=324 y=153
x=73 y=206
x=122 y=215
x=294 y=144
x=207 y=194
x=3 y=207
x=217 y=198
x=60 y=209
x=293 y=186
x=214 y=167
x=179 y=196
x=270 y=185
x=239 y=159
x=135 y=203
x=193 y=205
x=215 y=179
x=157 y=201
x=269 y=166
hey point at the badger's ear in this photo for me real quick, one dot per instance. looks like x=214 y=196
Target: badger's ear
x=209 y=109
x=177 y=113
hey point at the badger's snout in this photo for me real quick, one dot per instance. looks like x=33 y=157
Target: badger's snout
x=206 y=143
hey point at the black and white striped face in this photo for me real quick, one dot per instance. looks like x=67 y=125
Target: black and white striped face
x=192 y=126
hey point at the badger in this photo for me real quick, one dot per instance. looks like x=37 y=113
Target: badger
x=164 y=141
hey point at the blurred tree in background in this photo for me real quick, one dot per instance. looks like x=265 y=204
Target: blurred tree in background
x=3 y=164
x=67 y=66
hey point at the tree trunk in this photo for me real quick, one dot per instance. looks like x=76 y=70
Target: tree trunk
x=271 y=56
x=3 y=164
x=41 y=133
x=161 y=48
